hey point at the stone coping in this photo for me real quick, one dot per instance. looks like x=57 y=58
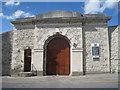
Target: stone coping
x=62 y=16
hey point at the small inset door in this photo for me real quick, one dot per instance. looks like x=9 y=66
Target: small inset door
x=27 y=60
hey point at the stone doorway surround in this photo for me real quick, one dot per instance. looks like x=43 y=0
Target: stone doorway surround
x=76 y=57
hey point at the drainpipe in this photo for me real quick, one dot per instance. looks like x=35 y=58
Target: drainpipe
x=83 y=46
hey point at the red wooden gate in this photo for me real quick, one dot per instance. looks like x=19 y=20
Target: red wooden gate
x=58 y=57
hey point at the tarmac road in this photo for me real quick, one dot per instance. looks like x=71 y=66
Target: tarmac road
x=87 y=81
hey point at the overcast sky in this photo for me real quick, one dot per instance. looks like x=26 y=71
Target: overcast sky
x=13 y=9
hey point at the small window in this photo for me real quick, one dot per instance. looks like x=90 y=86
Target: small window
x=95 y=51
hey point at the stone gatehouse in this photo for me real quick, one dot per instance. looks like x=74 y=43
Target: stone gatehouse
x=61 y=43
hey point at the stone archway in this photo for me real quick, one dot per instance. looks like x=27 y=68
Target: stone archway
x=57 y=55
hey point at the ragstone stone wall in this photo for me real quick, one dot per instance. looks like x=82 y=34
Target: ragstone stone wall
x=72 y=31
x=96 y=32
x=7 y=41
x=114 y=48
x=21 y=39
x=36 y=39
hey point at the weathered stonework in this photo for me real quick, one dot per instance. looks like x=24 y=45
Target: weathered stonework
x=21 y=38
x=7 y=42
x=81 y=31
x=96 y=33
x=114 y=48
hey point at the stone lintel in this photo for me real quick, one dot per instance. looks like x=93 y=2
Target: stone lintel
x=38 y=50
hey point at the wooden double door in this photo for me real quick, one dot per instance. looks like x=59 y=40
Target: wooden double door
x=58 y=57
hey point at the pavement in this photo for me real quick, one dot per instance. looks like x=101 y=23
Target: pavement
x=88 y=81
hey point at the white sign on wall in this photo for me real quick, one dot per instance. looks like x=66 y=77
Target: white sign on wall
x=95 y=51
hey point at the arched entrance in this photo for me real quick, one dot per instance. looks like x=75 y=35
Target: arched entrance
x=58 y=57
